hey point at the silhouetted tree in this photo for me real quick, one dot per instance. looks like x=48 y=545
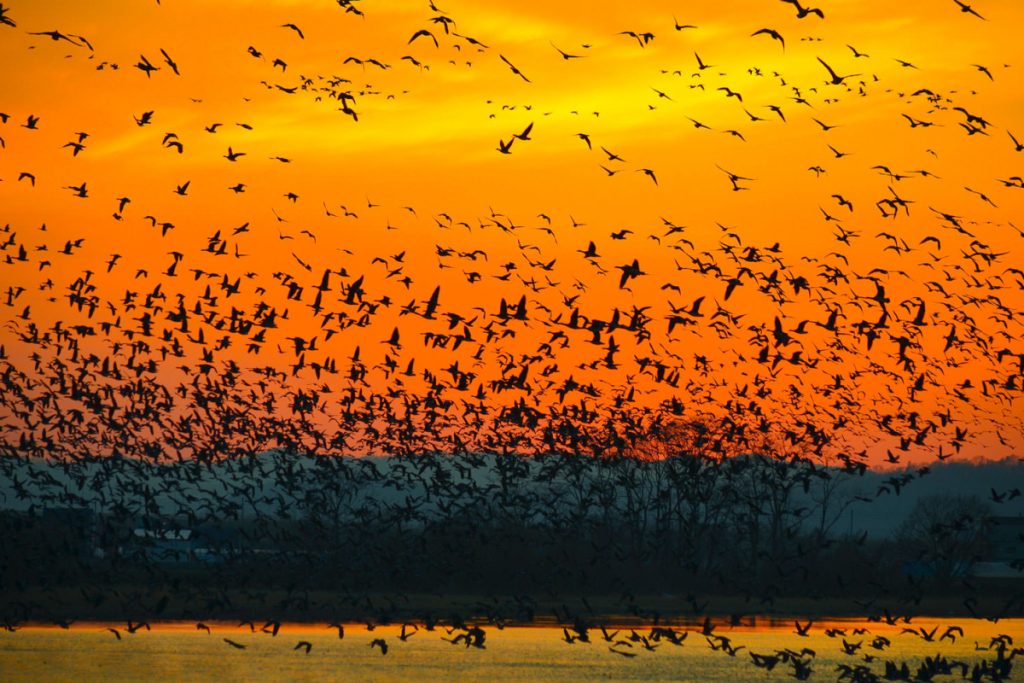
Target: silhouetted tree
x=946 y=532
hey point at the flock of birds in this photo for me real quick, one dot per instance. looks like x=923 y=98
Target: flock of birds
x=512 y=336
x=165 y=367
x=630 y=643
x=825 y=355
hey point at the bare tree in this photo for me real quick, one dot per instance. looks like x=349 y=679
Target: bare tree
x=946 y=533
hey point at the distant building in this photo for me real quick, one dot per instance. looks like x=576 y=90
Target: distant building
x=174 y=546
x=1004 y=556
x=924 y=569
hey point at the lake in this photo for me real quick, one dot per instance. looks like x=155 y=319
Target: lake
x=178 y=652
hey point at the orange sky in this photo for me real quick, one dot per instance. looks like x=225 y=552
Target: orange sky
x=427 y=138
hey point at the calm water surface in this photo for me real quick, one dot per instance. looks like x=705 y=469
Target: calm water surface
x=177 y=652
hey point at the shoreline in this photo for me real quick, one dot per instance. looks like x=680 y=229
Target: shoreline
x=382 y=609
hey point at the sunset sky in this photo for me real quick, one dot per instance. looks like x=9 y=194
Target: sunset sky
x=889 y=199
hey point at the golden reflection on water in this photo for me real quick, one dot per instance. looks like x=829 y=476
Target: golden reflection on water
x=178 y=651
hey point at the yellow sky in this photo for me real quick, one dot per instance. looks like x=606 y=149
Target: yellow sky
x=427 y=138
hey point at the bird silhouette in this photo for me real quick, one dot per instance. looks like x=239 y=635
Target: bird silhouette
x=836 y=79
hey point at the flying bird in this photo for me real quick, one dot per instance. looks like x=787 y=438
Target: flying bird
x=967 y=9
x=772 y=33
x=565 y=55
x=170 y=62
x=802 y=12
x=4 y=19
x=423 y=33
x=836 y=79
x=516 y=71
